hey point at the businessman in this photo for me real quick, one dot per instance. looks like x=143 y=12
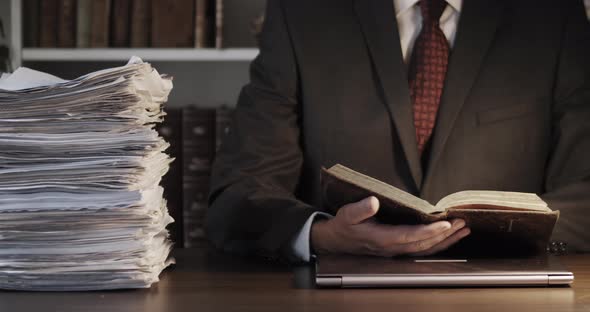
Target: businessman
x=430 y=96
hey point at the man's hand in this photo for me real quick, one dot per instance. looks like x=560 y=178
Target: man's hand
x=354 y=231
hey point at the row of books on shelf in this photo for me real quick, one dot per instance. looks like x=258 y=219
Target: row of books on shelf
x=142 y=23
x=194 y=135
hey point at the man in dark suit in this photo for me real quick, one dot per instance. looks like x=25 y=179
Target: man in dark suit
x=433 y=97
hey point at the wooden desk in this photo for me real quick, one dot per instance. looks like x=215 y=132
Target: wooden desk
x=206 y=281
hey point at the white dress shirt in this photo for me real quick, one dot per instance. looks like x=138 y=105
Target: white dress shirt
x=409 y=23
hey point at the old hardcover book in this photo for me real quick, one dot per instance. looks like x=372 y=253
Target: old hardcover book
x=198 y=149
x=48 y=24
x=173 y=23
x=240 y=22
x=195 y=199
x=31 y=24
x=120 y=24
x=223 y=117
x=99 y=30
x=66 y=24
x=83 y=23
x=171 y=130
x=494 y=217
x=201 y=24
x=141 y=14
x=219 y=8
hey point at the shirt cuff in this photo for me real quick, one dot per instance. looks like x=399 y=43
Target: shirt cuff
x=300 y=248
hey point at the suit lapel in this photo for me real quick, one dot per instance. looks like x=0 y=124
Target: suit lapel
x=475 y=32
x=378 y=24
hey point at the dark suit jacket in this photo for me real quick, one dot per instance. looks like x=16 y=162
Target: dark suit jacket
x=330 y=86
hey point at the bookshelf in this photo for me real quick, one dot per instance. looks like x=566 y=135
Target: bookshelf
x=20 y=54
x=207 y=77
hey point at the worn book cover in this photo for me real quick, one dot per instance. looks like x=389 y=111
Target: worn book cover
x=99 y=28
x=201 y=24
x=198 y=150
x=83 y=23
x=173 y=23
x=48 y=24
x=241 y=22
x=219 y=22
x=223 y=117
x=66 y=24
x=498 y=220
x=120 y=23
x=171 y=130
x=31 y=24
x=140 y=23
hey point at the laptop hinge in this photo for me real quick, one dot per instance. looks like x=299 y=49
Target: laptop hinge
x=329 y=281
x=561 y=279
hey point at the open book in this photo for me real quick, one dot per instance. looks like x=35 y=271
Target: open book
x=495 y=217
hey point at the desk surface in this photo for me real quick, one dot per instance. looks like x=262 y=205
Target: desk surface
x=207 y=281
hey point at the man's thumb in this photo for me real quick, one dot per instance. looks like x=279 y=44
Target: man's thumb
x=358 y=212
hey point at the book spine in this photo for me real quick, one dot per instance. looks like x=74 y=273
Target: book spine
x=201 y=31
x=173 y=23
x=171 y=131
x=31 y=25
x=48 y=24
x=242 y=22
x=140 y=23
x=257 y=25
x=66 y=24
x=83 y=23
x=219 y=24
x=99 y=31
x=223 y=117
x=120 y=24
x=198 y=137
x=195 y=206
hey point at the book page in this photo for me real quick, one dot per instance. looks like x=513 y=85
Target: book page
x=494 y=200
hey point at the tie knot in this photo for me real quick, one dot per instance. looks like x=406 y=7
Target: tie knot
x=432 y=10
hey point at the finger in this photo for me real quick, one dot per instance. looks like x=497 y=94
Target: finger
x=405 y=234
x=446 y=244
x=384 y=240
x=426 y=244
x=358 y=212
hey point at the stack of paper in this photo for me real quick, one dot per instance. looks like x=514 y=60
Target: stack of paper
x=80 y=165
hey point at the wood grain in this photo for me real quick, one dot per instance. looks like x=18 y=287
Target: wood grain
x=207 y=281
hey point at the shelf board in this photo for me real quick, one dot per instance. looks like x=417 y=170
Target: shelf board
x=147 y=54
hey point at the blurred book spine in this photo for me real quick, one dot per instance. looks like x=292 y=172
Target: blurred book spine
x=66 y=24
x=120 y=23
x=201 y=24
x=83 y=23
x=198 y=148
x=173 y=23
x=171 y=131
x=31 y=26
x=140 y=23
x=219 y=24
x=48 y=24
x=99 y=30
x=223 y=119
x=241 y=22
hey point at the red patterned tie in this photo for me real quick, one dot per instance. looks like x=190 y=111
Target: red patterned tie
x=427 y=71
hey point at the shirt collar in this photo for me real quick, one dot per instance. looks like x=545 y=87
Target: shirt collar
x=402 y=5
x=456 y=4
